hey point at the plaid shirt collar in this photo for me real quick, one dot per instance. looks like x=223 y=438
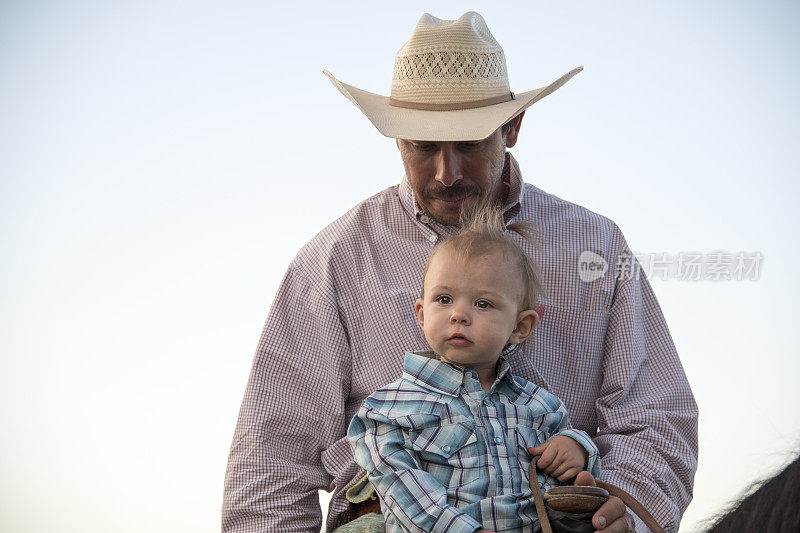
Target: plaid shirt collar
x=511 y=176
x=427 y=370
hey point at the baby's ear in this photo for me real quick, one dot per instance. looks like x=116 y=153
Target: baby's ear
x=526 y=322
x=419 y=311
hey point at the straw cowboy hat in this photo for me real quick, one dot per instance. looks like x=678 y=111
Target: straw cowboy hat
x=449 y=84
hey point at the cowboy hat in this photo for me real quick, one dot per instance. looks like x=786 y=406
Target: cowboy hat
x=449 y=84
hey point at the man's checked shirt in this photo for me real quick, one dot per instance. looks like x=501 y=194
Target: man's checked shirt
x=343 y=315
x=445 y=456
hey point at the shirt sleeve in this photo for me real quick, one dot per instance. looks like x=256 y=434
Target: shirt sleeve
x=293 y=409
x=647 y=415
x=415 y=498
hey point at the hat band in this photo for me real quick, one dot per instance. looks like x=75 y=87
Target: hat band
x=452 y=107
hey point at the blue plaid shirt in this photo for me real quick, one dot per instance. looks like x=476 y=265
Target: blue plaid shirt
x=445 y=456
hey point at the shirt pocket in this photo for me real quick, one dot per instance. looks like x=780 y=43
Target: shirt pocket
x=449 y=452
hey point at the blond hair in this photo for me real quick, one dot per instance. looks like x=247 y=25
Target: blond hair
x=484 y=231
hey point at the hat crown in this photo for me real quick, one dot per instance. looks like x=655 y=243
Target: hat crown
x=450 y=62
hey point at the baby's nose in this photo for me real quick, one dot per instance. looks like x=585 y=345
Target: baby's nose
x=459 y=316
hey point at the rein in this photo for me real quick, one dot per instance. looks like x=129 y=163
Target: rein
x=577 y=499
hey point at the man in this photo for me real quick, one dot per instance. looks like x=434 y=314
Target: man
x=602 y=344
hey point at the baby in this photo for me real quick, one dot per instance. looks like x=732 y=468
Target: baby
x=447 y=446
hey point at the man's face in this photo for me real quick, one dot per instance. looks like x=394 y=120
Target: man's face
x=449 y=176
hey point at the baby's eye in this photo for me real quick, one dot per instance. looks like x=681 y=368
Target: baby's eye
x=483 y=304
x=445 y=300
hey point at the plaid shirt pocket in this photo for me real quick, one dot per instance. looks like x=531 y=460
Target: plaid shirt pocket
x=449 y=452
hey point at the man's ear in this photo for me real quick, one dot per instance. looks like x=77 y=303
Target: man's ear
x=418 y=310
x=526 y=322
x=513 y=130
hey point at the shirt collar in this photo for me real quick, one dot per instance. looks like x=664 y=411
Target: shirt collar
x=427 y=370
x=511 y=176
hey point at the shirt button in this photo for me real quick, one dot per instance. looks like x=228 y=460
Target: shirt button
x=446 y=448
x=498 y=440
x=424 y=219
x=486 y=401
x=432 y=238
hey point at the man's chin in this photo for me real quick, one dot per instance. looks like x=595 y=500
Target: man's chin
x=449 y=215
x=452 y=219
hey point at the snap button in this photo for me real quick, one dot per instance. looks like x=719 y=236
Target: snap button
x=432 y=238
x=498 y=440
x=424 y=219
x=446 y=448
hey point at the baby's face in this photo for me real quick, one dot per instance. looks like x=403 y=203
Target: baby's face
x=470 y=310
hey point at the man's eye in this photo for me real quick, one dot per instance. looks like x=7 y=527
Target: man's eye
x=425 y=147
x=444 y=300
x=483 y=304
x=469 y=145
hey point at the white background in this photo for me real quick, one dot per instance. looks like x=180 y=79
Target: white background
x=161 y=163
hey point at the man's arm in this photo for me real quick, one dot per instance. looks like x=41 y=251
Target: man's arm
x=414 y=497
x=647 y=415
x=293 y=409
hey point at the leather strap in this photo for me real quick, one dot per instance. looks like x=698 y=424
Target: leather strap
x=632 y=504
x=533 y=479
x=626 y=498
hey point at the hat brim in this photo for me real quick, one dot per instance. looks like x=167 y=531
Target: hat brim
x=461 y=125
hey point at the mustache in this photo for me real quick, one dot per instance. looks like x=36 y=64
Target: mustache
x=453 y=192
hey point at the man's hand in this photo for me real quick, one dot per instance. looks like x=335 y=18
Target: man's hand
x=613 y=516
x=561 y=457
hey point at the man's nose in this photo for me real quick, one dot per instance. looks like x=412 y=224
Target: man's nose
x=448 y=165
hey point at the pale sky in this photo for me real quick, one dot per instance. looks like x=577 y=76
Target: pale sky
x=161 y=163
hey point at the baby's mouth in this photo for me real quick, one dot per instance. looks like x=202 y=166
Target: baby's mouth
x=459 y=340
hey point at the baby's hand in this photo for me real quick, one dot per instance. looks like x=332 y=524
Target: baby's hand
x=561 y=457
